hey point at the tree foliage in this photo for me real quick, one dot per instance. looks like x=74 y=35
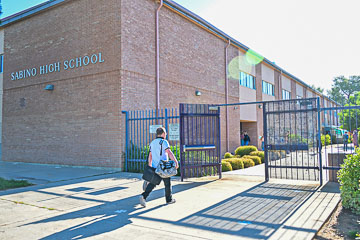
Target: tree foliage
x=343 y=88
x=350 y=119
x=318 y=88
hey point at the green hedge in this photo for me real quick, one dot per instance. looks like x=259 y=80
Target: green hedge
x=228 y=155
x=248 y=162
x=226 y=166
x=245 y=150
x=256 y=159
x=236 y=163
x=325 y=139
x=259 y=154
x=349 y=179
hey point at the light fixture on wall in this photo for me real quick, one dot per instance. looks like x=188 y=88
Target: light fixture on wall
x=260 y=106
x=49 y=87
x=197 y=93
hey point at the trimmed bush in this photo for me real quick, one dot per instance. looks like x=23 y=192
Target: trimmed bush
x=325 y=139
x=225 y=166
x=259 y=154
x=349 y=179
x=228 y=155
x=245 y=150
x=236 y=163
x=256 y=159
x=248 y=162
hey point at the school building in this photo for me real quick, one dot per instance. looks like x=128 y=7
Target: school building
x=70 y=67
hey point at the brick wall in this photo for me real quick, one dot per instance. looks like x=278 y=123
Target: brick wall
x=79 y=123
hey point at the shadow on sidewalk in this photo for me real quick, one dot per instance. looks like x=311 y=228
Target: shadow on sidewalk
x=255 y=213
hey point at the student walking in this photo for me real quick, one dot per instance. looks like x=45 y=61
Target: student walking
x=159 y=150
x=242 y=138
x=355 y=139
x=246 y=139
x=346 y=140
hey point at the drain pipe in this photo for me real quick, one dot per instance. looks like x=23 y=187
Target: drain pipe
x=227 y=95
x=157 y=59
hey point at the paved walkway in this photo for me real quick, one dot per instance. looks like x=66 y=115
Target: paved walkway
x=70 y=203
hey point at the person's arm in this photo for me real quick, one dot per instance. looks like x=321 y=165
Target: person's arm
x=150 y=159
x=172 y=157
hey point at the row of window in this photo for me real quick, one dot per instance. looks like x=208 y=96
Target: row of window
x=268 y=88
x=248 y=81
x=286 y=95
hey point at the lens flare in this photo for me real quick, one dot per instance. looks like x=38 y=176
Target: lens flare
x=238 y=64
x=253 y=57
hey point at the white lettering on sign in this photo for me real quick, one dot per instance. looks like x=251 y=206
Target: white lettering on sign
x=154 y=127
x=58 y=66
x=174 y=132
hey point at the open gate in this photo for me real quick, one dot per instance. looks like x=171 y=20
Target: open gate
x=292 y=139
x=199 y=140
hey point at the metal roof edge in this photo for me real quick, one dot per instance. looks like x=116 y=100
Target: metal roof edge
x=208 y=25
x=29 y=12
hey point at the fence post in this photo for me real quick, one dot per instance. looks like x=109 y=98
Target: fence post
x=319 y=142
x=126 y=137
x=265 y=144
x=166 y=123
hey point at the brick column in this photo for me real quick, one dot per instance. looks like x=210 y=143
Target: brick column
x=278 y=85
x=293 y=89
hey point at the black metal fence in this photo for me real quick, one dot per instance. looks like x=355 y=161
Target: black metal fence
x=141 y=130
x=200 y=140
x=291 y=139
x=339 y=137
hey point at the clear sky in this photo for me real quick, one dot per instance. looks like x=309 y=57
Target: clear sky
x=315 y=40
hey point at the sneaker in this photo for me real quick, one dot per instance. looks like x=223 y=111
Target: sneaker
x=142 y=201
x=172 y=201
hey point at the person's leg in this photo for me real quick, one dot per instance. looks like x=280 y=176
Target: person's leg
x=148 y=190
x=167 y=184
x=242 y=142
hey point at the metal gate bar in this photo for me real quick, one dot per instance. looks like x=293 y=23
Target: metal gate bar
x=290 y=139
x=199 y=140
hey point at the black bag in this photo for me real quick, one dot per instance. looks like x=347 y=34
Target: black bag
x=150 y=175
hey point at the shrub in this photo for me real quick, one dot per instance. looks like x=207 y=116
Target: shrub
x=228 y=155
x=349 y=179
x=248 y=162
x=256 y=159
x=325 y=139
x=259 y=154
x=225 y=166
x=236 y=163
x=245 y=150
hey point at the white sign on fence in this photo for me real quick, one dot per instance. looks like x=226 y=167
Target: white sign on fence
x=174 y=132
x=154 y=127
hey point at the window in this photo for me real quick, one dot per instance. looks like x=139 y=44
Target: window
x=1 y=63
x=247 y=80
x=286 y=95
x=268 y=88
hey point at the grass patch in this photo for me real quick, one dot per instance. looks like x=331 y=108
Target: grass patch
x=8 y=184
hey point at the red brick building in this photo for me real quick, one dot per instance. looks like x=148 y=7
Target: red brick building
x=100 y=57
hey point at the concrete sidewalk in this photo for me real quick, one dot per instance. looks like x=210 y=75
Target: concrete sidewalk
x=106 y=206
